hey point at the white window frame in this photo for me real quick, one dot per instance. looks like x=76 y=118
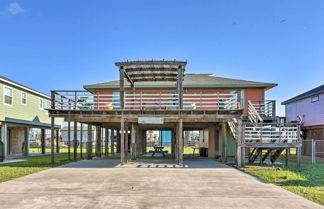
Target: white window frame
x=40 y=102
x=23 y=92
x=4 y=96
x=317 y=99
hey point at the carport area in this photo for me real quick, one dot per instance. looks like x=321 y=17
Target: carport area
x=156 y=183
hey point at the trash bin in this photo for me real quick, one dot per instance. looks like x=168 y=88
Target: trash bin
x=203 y=152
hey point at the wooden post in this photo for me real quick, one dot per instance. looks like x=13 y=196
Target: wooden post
x=75 y=140
x=106 y=141
x=224 y=143
x=98 y=141
x=180 y=142
x=52 y=127
x=133 y=95
x=121 y=87
x=26 y=141
x=299 y=158
x=176 y=143
x=102 y=148
x=299 y=149
x=133 y=142
x=57 y=141
x=118 y=134
x=126 y=142
x=122 y=140
x=173 y=140
x=112 y=141
x=180 y=87
x=243 y=156
x=144 y=141
x=52 y=140
x=287 y=155
x=89 y=143
x=238 y=143
x=81 y=140
x=69 y=140
x=43 y=140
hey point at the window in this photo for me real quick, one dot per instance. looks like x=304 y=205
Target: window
x=315 y=99
x=23 y=98
x=116 y=99
x=7 y=95
x=40 y=104
x=48 y=104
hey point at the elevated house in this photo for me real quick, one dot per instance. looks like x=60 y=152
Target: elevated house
x=21 y=108
x=232 y=116
x=309 y=108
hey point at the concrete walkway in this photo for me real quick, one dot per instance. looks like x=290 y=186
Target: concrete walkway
x=158 y=184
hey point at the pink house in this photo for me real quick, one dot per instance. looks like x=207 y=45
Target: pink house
x=308 y=106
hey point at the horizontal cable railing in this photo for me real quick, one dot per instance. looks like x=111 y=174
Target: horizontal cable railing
x=271 y=133
x=265 y=108
x=148 y=100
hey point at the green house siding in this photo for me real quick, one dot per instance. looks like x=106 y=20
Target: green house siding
x=230 y=144
x=29 y=114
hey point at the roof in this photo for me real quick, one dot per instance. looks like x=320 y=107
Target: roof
x=190 y=80
x=21 y=86
x=315 y=91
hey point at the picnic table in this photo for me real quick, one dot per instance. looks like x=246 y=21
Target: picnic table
x=158 y=149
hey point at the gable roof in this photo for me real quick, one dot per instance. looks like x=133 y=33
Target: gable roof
x=315 y=91
x=190 y=80
x=21 y=86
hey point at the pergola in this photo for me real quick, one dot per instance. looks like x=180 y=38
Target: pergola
x=152 y=70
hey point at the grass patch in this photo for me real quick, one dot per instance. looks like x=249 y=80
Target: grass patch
x=308 y=183
x=186 y=150
x=35 y=164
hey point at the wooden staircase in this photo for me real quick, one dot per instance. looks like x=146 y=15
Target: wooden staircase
x=270 y=131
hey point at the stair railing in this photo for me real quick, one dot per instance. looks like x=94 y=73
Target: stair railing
x=253 y=114
x=233 y=126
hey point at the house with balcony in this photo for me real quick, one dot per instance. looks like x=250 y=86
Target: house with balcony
x=21 y=108
x=232 y=116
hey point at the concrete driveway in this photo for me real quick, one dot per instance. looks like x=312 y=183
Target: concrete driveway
x=159 y=184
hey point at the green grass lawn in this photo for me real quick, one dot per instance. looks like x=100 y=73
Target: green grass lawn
x=309 y=182
x=186 y=150
x=63 y=150
x=34 y=164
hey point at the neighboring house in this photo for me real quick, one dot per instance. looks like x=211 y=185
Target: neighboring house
x=309 y=107
x=65 y=138
x=21 y=108
x=230 y=115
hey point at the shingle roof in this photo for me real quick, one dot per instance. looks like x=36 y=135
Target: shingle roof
x=315 y=91
x=190 y=80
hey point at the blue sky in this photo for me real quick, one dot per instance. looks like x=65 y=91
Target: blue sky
x=66 y=44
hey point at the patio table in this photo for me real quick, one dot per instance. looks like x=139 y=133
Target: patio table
x=158 y=149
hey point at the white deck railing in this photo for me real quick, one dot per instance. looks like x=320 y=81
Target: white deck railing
x=271 y=133
x=84 y=100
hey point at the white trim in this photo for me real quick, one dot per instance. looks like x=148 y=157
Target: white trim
x=25 y=88
x=41 y=108
x=4 y=99
x=21 y=98
x=315 y=97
